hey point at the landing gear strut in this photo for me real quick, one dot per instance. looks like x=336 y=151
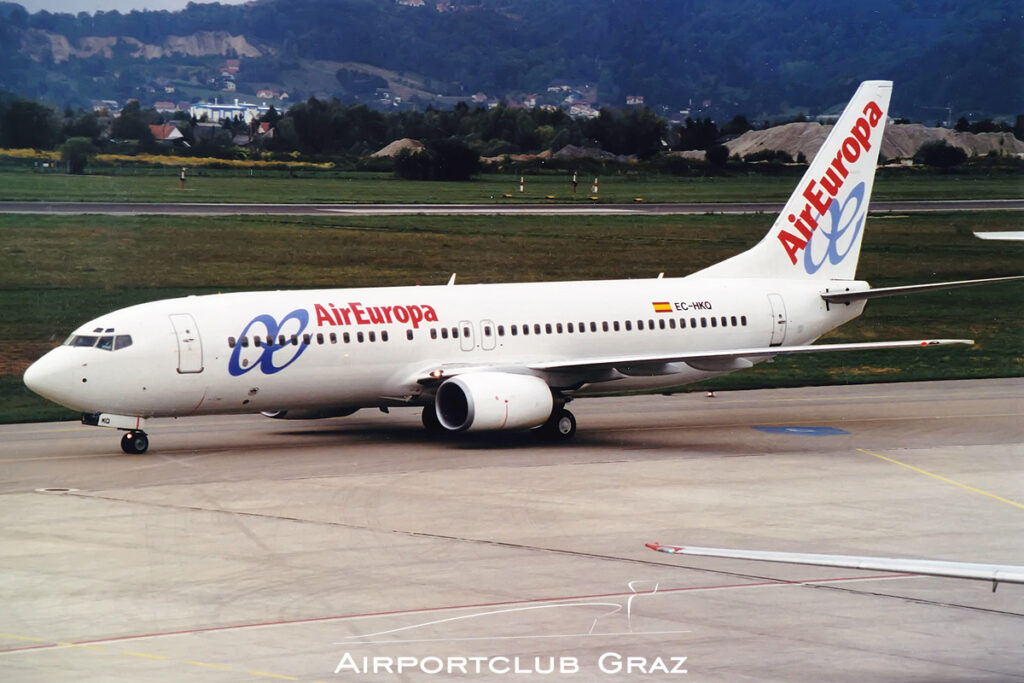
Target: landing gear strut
x=561 y=426
x=134 y=442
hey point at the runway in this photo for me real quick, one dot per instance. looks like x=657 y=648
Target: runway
x=243 y=548
x=495 y=209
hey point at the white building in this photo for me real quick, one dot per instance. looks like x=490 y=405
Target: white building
x=246 y=111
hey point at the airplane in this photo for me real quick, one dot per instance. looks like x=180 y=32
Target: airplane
x=492 y=357
x=996 y=573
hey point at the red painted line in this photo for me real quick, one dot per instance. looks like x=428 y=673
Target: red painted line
x=443 y=608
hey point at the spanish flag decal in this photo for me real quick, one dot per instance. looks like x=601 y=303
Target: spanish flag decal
x=662 y=306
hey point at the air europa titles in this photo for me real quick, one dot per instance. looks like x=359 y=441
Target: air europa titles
x=820 y=194
x=356 y=313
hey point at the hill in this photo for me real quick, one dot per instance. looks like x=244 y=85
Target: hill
x=759 y=57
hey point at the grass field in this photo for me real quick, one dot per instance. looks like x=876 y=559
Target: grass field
x=215 y=185
x=59 y=271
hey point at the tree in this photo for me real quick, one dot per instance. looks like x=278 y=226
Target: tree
x=27 y=124
x=940 y=154
x=718 y=155
x=76 y=153
x=448 y=159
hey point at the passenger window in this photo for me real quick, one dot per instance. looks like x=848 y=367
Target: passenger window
x=604 y=325
x=536 y=328
x=106 y=343
x=307 y=338
x=245 y=342
x=725 y=322
x=295 y=340
x=650 y=324
x=593 y=326
x=733 y=319
x=256 y=341
x=383 y=335
x=629 y=325
x=703 y=322
x=433 y=333
x=466 y=332
x=231 y=342
x=122 y=341
x=455 y=333
x=569 y=328
x=661 y=323
x=558 y=328
x=526 y=330
x=615 y=325
x=408 y=334
x=547 y=328
x=501 y=330
x=346 y=337
x=280 y=340
x=671 y=323
x=515 y=331
x=360 y=338
x=319 y=337
x=693 y=322
x=743 y=320
x=444 y=333
x=640 y=324
x=333 y=337
x=373 y=336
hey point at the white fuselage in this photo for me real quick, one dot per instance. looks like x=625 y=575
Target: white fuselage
x=327 y=349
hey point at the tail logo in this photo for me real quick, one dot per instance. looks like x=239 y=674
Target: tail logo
x=820 y=195
x=839 y=236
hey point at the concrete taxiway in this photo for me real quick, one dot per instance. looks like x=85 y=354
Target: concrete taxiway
x=248 y=549
x=494 y=209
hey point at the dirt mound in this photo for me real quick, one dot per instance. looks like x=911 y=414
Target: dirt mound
x=397 y=146
x=901 y=141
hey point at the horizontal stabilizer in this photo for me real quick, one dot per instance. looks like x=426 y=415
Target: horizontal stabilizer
x=959 y=570
x=878 y=293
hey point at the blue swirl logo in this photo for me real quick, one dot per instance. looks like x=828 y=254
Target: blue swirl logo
x=841 y=230
x=265 y=362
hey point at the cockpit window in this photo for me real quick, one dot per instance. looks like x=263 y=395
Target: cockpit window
x=107 y=342
x=83 y=340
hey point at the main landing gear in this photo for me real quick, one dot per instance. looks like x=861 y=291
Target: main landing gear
x=561 y=426
x=134 y=442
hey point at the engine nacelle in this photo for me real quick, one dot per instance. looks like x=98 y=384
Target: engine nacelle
x=479 y=401
x=308 y=413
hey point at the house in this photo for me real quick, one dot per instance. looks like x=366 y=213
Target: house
x=231 y=66
x=245 y=111
x=164 y=106
x=634 y=100
x=167 y=134
x=266 y=94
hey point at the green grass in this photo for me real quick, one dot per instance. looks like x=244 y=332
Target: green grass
x=59 y=271
x=215 y=185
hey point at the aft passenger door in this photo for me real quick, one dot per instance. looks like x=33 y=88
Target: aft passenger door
x=190 y=346
x=778 y=307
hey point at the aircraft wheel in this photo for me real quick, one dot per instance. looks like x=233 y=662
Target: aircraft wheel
x=134 y=443
x=561 y=426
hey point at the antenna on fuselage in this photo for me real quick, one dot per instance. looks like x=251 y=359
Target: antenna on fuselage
x=451 y=280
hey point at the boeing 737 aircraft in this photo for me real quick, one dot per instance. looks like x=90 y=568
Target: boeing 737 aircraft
x=492 y=357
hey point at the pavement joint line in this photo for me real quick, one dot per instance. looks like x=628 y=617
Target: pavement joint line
x=208 y=665
x=941 y=478
x=270 y=675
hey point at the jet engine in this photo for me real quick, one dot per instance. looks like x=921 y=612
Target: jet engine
x=480 y=401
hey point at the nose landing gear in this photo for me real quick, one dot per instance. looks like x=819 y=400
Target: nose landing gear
x=134 y=442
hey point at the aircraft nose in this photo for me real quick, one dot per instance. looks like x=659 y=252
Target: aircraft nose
x=50 y=377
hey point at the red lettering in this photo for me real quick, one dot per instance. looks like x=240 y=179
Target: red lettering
x=359 y=313
x=873 y=112
x=862 y=132
x=815 y=199
x=322 y=315
x=851 y=149
x=429 y=315
x=375 y=315
x=345 y=312
x=401 y=315
x=415 y=315
x=387 y=312
x=831 y=182
x=837 y=164
x=792 y=244
x=806 y=216
x=804 y=230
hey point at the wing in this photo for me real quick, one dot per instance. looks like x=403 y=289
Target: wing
x=995 y=573
x=846 y=296
x=568 y=372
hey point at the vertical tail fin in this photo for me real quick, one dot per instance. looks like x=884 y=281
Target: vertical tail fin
x=819 y=232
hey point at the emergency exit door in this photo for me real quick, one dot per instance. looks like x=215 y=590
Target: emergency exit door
x=778 y=319
x=190 y=346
